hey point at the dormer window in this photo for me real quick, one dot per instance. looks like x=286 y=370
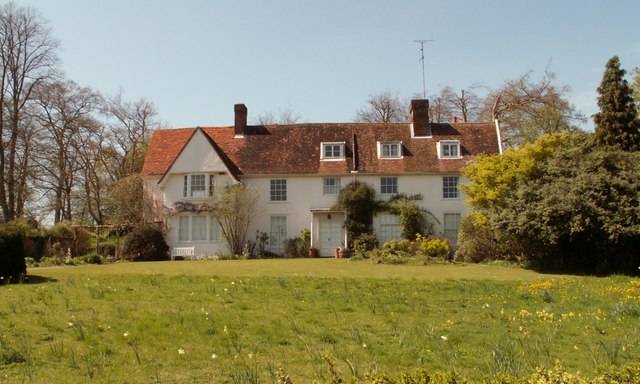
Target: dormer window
x=389 y=150
x=449 y=149
x=332 y=151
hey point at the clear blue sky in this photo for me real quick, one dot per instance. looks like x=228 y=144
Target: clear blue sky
x=194 y=58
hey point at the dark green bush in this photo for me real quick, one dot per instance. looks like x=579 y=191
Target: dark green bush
x=145 y=244
x=298 y=246
x=13 y=267
x=107 y=250
x=92 y=258
x=365 y=243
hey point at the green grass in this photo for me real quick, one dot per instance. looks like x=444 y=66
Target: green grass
x=236 y=321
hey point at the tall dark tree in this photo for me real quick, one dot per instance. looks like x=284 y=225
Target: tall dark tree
x=27 y=59
x=617 y=122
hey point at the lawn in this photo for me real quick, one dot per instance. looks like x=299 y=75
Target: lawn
x=238 y=321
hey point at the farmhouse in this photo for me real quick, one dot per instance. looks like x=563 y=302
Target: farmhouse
x=299 y=169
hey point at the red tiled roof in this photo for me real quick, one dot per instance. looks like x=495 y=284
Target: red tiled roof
x=295 y=149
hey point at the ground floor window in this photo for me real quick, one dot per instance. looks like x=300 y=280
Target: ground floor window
x=451 y=224
x=278 y=233
x=390 y=228
x=198 y=228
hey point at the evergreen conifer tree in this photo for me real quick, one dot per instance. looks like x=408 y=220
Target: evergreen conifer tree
x=617 y=123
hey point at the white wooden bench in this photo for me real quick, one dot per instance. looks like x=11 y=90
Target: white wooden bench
x=183 y=252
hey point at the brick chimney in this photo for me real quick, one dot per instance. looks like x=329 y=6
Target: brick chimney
x=420 y=118
x=240 y=119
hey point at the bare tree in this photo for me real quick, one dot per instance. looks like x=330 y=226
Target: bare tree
x=27 y=58
x=384 y=107
x=439 y=109
x=527 y=109
x=235 y=208
x=64 y=113
x=94 y=152
x=285 y=116
x=131 y=125
x=466 y=104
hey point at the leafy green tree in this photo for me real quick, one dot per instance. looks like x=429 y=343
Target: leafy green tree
x=562 y=203
x=617 y=122
x=495 y=177
x=580 y=211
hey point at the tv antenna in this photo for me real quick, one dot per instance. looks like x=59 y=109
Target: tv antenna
x=424 y=84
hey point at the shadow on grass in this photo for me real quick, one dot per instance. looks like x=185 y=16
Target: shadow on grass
x=33 y=279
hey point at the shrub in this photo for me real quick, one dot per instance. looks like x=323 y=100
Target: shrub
x=365 y=243
x=92 y=258
x=107 y=250
x=404 y=245
x=13 y=267
x=433 y=247
x=298 y=246
x=145 y=244
x=476 y=240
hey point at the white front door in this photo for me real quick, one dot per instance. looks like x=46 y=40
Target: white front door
x=331 y=233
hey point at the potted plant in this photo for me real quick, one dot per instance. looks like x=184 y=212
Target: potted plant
x=345 y=253
x=313 y=252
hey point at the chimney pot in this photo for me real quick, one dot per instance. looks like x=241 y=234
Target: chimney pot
x=240 y=124
x=454 y=119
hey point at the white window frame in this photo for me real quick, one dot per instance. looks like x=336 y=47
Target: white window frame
x=387 y=146
x=215 y=230
x=390 y=227
x=384 y=186
x=188 y=186
x=184 y=228
x=444 y=149
x=332 y=156
x=449 y=191
x=199 y=229
x=329 y=189
x=451 y=226
x=278 y=190
x=277 y=233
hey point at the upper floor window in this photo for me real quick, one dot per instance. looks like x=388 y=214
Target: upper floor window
x=450 y=187
x=449 y=149
x=331 y=186
x=278 y=190
x=198 y=185
x=389 y=150
x=388 y=185
x=332 y=151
